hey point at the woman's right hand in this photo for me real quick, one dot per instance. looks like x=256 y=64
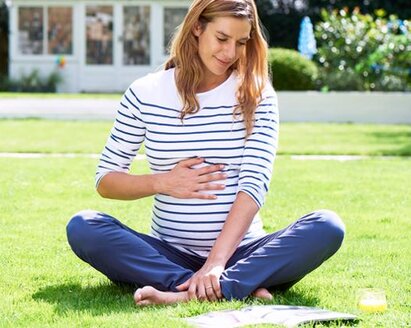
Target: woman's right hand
x=184 y=181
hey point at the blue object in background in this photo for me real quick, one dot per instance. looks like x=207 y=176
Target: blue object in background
x=306 y=40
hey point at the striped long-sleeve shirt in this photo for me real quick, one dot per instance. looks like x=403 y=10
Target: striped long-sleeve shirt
x=149 y=112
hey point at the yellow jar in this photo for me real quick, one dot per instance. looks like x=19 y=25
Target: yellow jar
x=372 y=300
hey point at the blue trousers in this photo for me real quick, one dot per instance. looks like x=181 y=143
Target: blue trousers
x=275 y=261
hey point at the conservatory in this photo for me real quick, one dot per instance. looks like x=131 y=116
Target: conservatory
x=95 y=46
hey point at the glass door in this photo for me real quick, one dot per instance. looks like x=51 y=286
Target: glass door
x=173 y=17
x=99 y=35
x=136 y=35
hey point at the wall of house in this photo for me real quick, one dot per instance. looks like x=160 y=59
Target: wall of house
x=79 y=73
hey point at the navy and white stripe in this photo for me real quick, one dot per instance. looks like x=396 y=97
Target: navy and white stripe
x=149 y=113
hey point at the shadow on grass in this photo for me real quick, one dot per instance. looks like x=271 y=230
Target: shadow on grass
x=97 y=300
x=294 y=297
x=113 y=298
x=402 y=140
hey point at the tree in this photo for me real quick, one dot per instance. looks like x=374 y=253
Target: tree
x=282 y=18
x=399 y=8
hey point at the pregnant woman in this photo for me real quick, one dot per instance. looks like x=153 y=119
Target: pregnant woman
x=209 y=123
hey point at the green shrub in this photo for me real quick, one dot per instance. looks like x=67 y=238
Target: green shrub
x=291 y=71
x=32 y=82
x=4 y=83
x=360 y=52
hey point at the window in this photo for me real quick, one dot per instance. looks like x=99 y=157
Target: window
x=173 y=17
x=59 y=27
x=99 y=35
x=60 y=30
x=31 y=30
x=136 y=35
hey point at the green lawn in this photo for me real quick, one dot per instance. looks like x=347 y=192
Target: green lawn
x=295 y=138
x=43 y=283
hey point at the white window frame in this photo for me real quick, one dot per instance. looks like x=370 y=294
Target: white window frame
x=45 y=56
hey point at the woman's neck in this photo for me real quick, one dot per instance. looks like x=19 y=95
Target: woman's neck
x=208 y=82
x=211 y=82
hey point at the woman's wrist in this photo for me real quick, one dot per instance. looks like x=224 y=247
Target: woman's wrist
x=160 y=183
x=217 y=260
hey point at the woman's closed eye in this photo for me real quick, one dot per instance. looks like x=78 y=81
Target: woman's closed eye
x=221 y=39
x=239 y=44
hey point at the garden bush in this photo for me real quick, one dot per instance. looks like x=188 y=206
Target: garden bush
x=31 y=82
x=291 y=71
x=282 y=18
x=362 y=52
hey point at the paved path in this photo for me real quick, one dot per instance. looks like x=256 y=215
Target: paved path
x=105 y=109
x=60 y=109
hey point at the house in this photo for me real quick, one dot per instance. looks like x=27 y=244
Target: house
x=96 y=46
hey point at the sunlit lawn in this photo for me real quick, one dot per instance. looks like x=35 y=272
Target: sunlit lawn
x=44 y=284
x=295 y=138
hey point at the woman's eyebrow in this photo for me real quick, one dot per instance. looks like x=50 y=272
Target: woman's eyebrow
x=230 y=37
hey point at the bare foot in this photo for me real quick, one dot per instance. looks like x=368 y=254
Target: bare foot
x=262 y=293
x=149 y=295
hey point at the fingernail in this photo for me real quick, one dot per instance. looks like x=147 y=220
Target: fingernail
x=222 y=166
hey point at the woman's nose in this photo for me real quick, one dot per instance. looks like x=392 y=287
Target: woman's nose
x=230 y=52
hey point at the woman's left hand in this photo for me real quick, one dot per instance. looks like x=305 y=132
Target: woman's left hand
x=204 y=284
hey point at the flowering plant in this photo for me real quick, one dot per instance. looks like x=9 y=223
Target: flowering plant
x=363 y=52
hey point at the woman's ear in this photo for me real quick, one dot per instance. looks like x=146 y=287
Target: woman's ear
x=197 y=29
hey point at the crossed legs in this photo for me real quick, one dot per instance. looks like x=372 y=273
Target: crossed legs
x=277 y=260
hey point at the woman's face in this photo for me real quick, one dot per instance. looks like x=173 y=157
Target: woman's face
x=221 y=43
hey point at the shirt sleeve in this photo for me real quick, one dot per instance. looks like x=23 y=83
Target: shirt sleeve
x=125 y=139
x=260 y=150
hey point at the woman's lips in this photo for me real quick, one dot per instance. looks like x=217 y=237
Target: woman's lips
x=223 y=63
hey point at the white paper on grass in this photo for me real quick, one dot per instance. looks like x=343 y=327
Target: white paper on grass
x=289 y=316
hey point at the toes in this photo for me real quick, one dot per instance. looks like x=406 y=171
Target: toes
x=269 y=297
x=137 y=295
x=143 y=303
x=144 y=296
x=263 y=293
x=139 y=298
